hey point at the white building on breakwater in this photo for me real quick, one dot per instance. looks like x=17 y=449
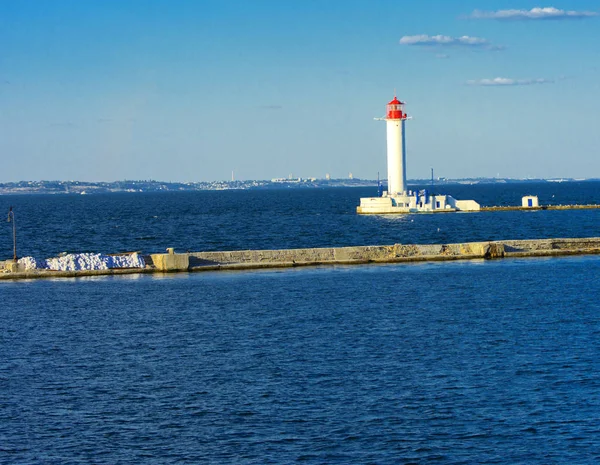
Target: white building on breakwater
x=398 y=199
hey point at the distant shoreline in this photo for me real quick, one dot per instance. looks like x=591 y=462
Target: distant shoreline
x=84 y=188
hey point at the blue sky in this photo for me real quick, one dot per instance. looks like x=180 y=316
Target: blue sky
x=192 y=90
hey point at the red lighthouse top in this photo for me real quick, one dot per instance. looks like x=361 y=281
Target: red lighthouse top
x=395 y=109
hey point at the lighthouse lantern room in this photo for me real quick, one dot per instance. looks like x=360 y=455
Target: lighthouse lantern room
x=395 y=109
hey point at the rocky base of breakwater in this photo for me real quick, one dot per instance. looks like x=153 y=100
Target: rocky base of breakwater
x=256 y=259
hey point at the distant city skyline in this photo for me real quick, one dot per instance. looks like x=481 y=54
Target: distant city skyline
x=199 y=90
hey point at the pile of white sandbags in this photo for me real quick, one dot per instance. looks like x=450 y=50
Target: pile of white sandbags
x=31 y=263
x=84 y=261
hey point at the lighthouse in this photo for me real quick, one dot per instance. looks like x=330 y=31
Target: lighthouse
x=397 y=198
x=395 y=120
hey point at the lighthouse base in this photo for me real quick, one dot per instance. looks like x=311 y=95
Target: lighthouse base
x=420 y=202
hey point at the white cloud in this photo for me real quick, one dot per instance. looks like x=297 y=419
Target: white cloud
x=534 y=13
x=424 y=39
x=500 y=81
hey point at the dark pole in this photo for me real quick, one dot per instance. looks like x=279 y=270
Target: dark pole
x=11 y=218
x=432 y=192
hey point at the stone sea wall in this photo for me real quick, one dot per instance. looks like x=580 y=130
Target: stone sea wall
x=397 y=253
x=392 y=253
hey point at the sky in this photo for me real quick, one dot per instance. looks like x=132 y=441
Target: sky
x=193 y=90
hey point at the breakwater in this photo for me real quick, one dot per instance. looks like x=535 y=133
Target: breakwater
x=396 y=253
x=541 y=207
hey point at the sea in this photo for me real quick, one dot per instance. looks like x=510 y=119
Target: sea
x=469 y=362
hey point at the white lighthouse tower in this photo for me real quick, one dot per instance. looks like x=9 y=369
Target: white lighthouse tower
x=395 y=119
x=397 y=198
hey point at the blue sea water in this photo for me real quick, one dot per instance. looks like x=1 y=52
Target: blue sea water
x=286 y=218
x=451 y=363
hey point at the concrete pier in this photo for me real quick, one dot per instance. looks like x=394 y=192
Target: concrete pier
x=248 y=259
x=541 y=207
x=397 y=253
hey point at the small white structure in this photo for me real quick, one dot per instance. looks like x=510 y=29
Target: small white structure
x=397 y=199
x=530 y=201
